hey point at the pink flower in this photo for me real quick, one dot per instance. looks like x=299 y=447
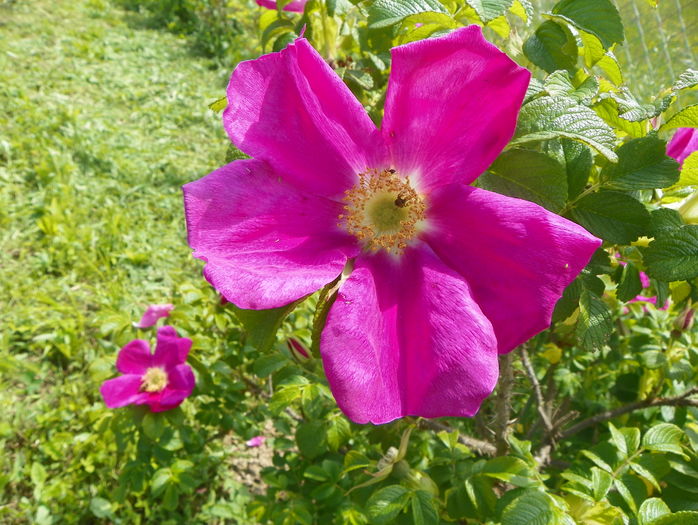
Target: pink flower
x=161 y=380
x=650 y=300
x=296 y=6
x=153 y=313
x=256 y=441
x=439 y=276
x=682 y=144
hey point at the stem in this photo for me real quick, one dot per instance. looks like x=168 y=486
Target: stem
x=537 y=392
x=503 y=405
x=570 y=205
x=681 y=400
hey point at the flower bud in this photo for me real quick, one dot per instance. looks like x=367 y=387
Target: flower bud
x=685 y=319
x=297 y=349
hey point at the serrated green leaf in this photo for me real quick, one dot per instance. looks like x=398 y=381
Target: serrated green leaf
x=338 y=432
x=385 y=504
x=489 y=9
x=311 y=438
x=529 y=175
x=688 y=79
x=665 y=437
x=664 y=220
x=630 y=285
x=598 y=17
x=613 y=216
x=261 y=325
x=547 y=118
x=607 y=109
x=678 y=518
x=596 y=56
x=642 y=165
x=595 y=323
x=551 y=47
x=689 y=171
x=267 y=364
x=423 y=511
x=674 y=255
x=686 y=118
x=651 y=509
x=569 y=301
x=597 y=460
x=578 y=163
x=532 y=507
x=601 y=481
x=384 y=13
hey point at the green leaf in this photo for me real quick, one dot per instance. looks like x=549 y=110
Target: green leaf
x=338 y=432
x=261 y=325
x=601 y=481
x=625 y=493
x=607 y=109
x=578 y=163
x=596 y=56
x=384 y=13
x=678 y=518
x=664 y=220
x=651 y=509
x=489 y=9
x=529 y=175
x=686 y=118
x=569 y=301
x=630 y=285
x=153 y=425
x=546 y=118
x=674 y=255
x=509 y=469
x=598 y=17
x=267 y=364
x=619 y=441
x=532 y=507
x=689 y=171
x=423 y=511
x=686 y=80
x=101 y=507
x=218 y=105
x=645 y=474
x=385 y=504
x=613 y=216
x=663 y=437
x=551 y=47
x=311 y=438
x=595 y=322
x=642 y=165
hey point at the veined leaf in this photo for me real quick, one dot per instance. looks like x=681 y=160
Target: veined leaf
x=642 y=165
x=594 y=324
x=689 y=171
x=686 y=118
x=551 y=47
x=531 y=507
x=385 y=504
x=688 y=79
x=489 y=9
x=665 y=437
x=651 y=509
x=673 y=256
x=613 y=216
x=598 y=17
x=384 y=13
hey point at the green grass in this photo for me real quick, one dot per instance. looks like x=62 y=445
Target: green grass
x=101 y=122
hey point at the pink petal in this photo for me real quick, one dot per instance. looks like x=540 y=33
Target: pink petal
x=517 y=257
x=153 y=313
x=134 y=358
x=170 y=349
x=644 y=280
x=296 y=6
x=451 y=106
x=180 y=386
x=291 y=110
x=682 y=144
x=121 y=391
x=256 y=441
x=265 y=243
x=406 y=338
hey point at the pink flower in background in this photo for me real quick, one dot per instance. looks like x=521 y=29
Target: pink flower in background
x=256 y=441
x=296 y=6
x=161 y=380
x=153 y=313
x=682 y=144
x=438 y=276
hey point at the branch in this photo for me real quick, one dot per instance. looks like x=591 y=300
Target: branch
x=503 y=404
x=482 y=447
x=676 y=401
x=537 y=391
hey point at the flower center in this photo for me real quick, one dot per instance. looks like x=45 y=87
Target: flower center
x=383 y=211
x=154 y=380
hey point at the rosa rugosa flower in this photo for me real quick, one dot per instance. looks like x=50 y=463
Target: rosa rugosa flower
x=682 y=144
x=438 y=276
x=161 y=380
x=153 y=313
x=296 y=6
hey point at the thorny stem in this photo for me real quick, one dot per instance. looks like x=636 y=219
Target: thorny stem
x=681 y=400
x=545 y=417
x=503 y=405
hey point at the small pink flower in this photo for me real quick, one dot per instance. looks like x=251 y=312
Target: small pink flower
x=440 y=276
x=296 y=6
x=161 y=380
x=682 y=144
x=256 y=441
x=153 y=313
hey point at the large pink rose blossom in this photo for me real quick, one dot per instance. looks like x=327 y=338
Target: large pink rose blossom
x=438 y=276
x=161 y=380
x=682 y=144
x=296 y=6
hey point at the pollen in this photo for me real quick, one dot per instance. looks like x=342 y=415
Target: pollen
x=154 y=380
x=383 y=211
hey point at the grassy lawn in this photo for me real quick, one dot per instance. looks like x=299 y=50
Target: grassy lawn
x=101 y=122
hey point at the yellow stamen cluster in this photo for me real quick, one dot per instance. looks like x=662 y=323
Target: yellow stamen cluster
x=154 y=380
x=383 y=211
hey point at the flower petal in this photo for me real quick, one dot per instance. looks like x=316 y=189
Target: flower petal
x=153 y=313
x=121 y=391
x=134 y=358
x=517 y=257
x=170 y=349
x=291 y=110
x=265 y=243
x=179 y=387
x=451 y=106
x=406 y=338
x=682 y=144
x=296 y=6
